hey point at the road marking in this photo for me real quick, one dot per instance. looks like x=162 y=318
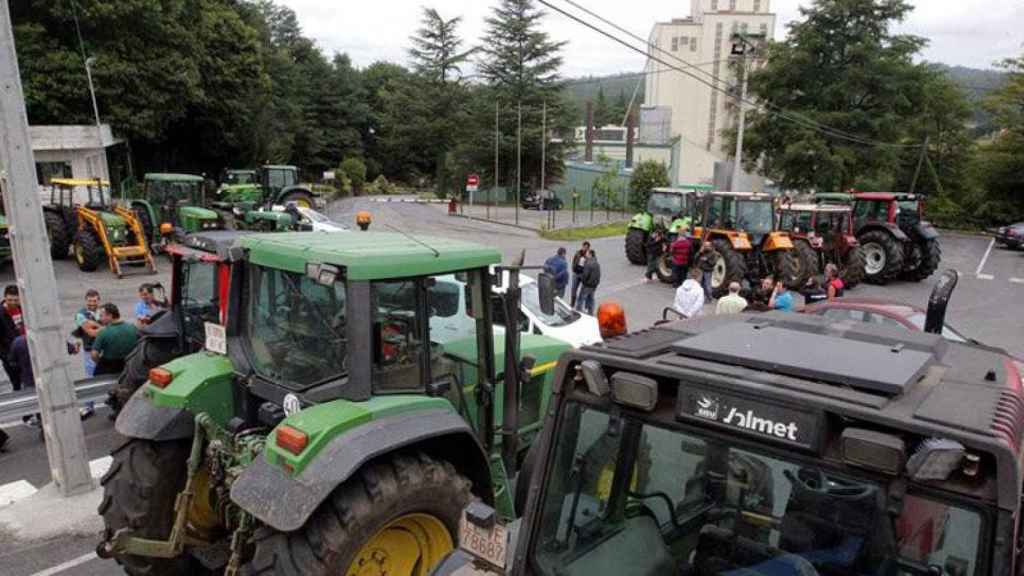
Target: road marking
x=67 y=565
x=984 y=259
x=1017 y=280
x=99 y=466
x=14 y=491
x=985 y=277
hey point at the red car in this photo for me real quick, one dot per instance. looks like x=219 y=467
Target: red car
x=878 y=311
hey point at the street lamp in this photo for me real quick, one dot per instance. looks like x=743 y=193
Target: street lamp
x=741 y=47
x=89 y=62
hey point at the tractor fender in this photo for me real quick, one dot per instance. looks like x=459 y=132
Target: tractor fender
x=642 y=221
x=285 y=501
x=778 y=241
x=297 y=188
x=141 y=419
x=148 y=207
x=925 y=231
x=886 y=227
x=738 y=240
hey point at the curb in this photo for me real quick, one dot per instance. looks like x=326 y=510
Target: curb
x=478 y=219
x=410 y=200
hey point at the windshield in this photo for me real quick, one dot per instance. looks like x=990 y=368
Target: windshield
x=563 y=315
x=175 y=192
x=239 y=178
x=623 y=497
x=754 y=217
x=918 y=320
x=297 y=329
x=665 y=204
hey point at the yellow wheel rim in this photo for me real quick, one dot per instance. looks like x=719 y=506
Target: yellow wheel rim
x=410 y=545
x=303 y=203
x=79 y=254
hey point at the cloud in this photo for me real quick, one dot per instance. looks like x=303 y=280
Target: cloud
x=959 y=32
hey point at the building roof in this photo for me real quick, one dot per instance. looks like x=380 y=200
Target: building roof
x=368 y=255
x=72 y=137
x=167 y=177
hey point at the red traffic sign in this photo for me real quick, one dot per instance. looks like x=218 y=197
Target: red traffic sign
x=473 y=180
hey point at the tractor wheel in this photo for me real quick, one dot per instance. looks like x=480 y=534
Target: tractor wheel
x=851 y=271
x=147 y=225
x=58 y=234
x=729 y=267
x=665 y=272
x=636 y=249
x=89 y=253
x=399 y=515
x=786 y=267
x=883 y=256
x=139 y=491
x=925 y=258
x=301 y=198
x=807 y=261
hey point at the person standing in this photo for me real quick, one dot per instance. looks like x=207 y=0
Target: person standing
x=11 y=326
x=706 y=260
x=87 y=325
x=591 y=278
x=114 y=341
x=782 y=298
x=558 y=268
x=147 y=306
x=681 y=249
x=655 y=246
x=732 y=303
x=689 y=299
x=579 y=260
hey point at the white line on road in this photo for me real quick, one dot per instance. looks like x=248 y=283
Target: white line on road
x=1017 y=280
x=985 y=277
x=67 y=565
x=984 y=258
x=14 y=491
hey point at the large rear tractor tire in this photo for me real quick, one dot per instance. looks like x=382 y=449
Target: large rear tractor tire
x=729 y=267
x=925 y=259
x=807 y=262
x=301 y=198
x=58 y=234
x=398 y=515
x=852 y=269
x=89 y=252
x=139 y=491
x=883 y=256
x=636 y=250
x=786 y=266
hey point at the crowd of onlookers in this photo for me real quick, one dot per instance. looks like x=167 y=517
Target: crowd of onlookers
x=101 y=336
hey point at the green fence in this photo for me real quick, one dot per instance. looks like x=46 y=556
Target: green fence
x=580 y=181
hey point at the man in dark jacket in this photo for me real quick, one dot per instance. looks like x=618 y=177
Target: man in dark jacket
x=557 y=267
x=706 y=260
x=655 y=246
x=578 y=261
x=591 y=277
x=11 y=326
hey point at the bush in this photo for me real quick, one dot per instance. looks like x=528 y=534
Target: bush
x=381 y=186
x=647 y=175
x=354 y=169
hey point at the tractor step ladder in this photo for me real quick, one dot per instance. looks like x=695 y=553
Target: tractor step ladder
x=137 y=254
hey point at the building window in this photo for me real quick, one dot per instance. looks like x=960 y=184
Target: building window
x=757 y=5
x=764 y=30
x=693 y=44
x=714 y=5
x=732 y=5
x=675 y=43
x=743 y=28
x=46 y=171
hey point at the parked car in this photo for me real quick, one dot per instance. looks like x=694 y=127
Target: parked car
x=542 y=200
x=315 y=221
x=879 y=311
x=1011 y=236
x=448 y=300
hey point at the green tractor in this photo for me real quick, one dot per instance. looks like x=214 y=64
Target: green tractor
x=668 y=210
x=325 y=429
x=269 y=186
x=172 y=206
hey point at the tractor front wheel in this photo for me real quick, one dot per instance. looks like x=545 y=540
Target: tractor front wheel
x=89 y=252
x=398 y=516
x=786 y=267
x=58 y=234
x=301 y=198
x=636 y=250
x=139 y=491
x=883 y=256
x=730 y=267
x=852 y=269
x=807 y=261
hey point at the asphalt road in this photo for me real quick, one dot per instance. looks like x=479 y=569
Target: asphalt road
x=985 y=306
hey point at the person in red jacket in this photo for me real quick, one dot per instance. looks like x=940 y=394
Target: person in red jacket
x=680 y=251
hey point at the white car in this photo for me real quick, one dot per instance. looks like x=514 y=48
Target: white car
x=317 y=220
x=448 y=323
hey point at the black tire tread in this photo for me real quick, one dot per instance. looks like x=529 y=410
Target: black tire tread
x=735 y=266
x=809 y=261
x=93 y=253
x=852 y=269
x=58 y=234
x=636 y=251
x=931 y=257
x=787 y=267
x=893 y=255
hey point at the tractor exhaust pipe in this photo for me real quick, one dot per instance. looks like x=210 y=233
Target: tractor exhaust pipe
x=939 y=300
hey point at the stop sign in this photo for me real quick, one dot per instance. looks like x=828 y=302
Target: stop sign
x=472 y=181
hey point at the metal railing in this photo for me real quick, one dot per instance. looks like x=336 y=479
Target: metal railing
x=16 y=405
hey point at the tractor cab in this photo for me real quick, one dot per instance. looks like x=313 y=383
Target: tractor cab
x=823 y=234
x=270 y=185
x=768 y=444
x=668 y=210
x=173 y=206
x=231 y=177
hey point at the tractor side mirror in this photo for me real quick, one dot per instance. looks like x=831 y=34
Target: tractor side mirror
x=546 y=292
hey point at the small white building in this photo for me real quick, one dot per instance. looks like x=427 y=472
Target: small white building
x=71 y=151
x=701 y=44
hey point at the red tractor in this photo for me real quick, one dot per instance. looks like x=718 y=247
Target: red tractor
x=823 y=234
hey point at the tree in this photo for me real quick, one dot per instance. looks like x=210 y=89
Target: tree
x=602 y=110
x=647 y=175
x=1000 y=163
x=354 y=170
x=840 y=67
x=436 y=48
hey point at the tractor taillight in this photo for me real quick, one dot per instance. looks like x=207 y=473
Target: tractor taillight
x=292 y=439
x=161 y=377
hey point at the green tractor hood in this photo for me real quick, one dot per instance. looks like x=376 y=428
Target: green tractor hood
x=197 y=213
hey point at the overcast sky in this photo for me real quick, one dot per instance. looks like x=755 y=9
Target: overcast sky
x=971 y=33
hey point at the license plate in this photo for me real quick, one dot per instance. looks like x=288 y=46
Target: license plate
x=486 y=544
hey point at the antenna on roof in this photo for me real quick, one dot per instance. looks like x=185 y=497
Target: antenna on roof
x=415 y=239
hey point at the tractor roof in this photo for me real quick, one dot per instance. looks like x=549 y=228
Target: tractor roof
x=368 y=255
x=816 y=207
x=841 y=197
x=913 y=383
x=886 y=196
x=279 y=167
x=747 y=195
x=173 y=178
x=685 y=189
x=78 y=182
x=215 y=242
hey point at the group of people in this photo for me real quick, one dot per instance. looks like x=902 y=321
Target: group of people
x=586 y=276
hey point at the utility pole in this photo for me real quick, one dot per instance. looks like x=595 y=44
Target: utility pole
x=544 y=156
x=519 y=159
x=920 y=162
x=65 y=441
x=738 y=160
x=497 y=144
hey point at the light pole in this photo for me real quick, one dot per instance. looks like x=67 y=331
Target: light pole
x=92 y=91
x=741 y=48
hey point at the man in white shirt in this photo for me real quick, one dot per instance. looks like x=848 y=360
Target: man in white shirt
x=733 y=303
x=689 y=299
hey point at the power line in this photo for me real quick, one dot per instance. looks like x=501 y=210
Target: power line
x=582 y=81
x=713 y=84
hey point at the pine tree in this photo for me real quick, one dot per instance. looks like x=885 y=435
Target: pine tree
x=435 y=47
x=602 y=111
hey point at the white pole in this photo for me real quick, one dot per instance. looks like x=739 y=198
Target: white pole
x=738 y=160
x=65 y=441
x=519 y=158
x=544 y=156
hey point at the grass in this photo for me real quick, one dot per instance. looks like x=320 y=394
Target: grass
x=587 y=232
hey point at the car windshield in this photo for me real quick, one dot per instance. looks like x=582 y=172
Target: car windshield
x=665 y=204
x=296 y=332
x=562 y=316
x=626 y=497
x=754 y=216
x=948 y=333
